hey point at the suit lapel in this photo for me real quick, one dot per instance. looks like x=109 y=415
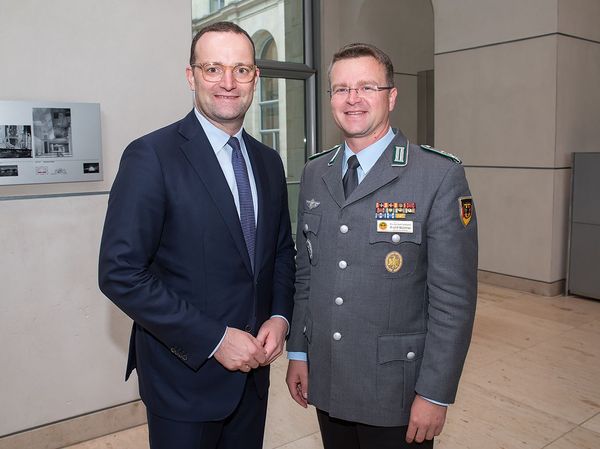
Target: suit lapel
x=264 y=206
x=200 y=155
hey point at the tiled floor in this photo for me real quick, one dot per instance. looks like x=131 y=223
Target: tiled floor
x=532 y=381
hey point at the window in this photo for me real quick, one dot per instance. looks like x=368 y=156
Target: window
x=269 y=100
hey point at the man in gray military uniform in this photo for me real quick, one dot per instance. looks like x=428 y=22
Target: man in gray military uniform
x=386 y=281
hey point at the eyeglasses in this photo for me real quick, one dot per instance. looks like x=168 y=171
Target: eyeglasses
x=367 y=90
x=213 y=71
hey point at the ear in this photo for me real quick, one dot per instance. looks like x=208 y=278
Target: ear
x=392 y=99
x=256 y=77
x=189 y=74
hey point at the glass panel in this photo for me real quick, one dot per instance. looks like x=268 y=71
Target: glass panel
x=287 y=133
x=269 y=89
x=276 y=27
x=269 y=116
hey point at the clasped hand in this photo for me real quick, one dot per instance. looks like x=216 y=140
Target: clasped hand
x=240 y=351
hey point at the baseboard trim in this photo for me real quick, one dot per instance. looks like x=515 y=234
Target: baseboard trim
x=81 y=428
x=526 y=285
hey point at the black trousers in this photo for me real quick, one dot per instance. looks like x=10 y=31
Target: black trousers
x=340 y=434
x=244 y=428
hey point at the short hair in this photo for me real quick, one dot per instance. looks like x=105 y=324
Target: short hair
x=358 y=50
x=219 y=27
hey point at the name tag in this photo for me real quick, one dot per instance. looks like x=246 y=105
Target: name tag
x=401 y=226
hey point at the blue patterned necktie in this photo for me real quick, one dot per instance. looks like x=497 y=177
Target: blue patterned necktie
x=245 y=195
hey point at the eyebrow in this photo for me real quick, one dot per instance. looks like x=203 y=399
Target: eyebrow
x=358 y=83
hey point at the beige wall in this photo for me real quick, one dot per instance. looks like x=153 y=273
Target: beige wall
x=64 y=344
x=516 y=93
x=402 y=28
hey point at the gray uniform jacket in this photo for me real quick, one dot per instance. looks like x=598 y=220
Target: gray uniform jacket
x=384 y=307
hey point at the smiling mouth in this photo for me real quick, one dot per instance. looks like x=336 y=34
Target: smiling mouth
x=355 y=113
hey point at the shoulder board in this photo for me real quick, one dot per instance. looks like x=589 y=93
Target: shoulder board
x=323 y=153
x=442 y=152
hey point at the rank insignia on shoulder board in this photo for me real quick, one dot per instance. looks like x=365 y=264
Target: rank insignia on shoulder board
x=466 y=209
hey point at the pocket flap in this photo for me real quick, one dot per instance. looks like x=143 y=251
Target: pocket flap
x=405 y=347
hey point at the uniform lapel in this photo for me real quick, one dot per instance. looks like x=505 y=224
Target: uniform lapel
x=333 y=177
x=382 y=173
x=200 y=155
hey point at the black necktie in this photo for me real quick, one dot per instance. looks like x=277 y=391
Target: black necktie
x=245 y=195
x=350 y=179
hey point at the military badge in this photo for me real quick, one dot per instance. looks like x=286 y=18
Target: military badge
x=393 y=262
x=310 y=250
x=466 y=209
x=311 y=204
x=404 y=226
x=394 y=210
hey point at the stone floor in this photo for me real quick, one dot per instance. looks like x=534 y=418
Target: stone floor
x=532 y=381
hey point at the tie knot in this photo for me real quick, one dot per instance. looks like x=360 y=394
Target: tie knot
x=234 y=143
x=353 y=162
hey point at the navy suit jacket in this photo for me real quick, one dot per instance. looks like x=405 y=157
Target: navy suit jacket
x=173 y=258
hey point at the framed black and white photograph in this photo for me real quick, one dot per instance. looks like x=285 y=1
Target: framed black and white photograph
x=48 y=142
x=9 y=170
x=15 y=141
x=52 y=132
x=91 y=167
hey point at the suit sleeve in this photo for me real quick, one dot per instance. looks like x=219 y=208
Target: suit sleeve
x=452 y=289
x=131 y=237
x=296 y=341
x=283 y=274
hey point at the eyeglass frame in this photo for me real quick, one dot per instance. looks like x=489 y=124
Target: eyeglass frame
x=201 y=66
x=334 y=92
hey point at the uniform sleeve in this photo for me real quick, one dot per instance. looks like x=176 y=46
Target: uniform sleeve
x=297 y=341
x=131 y=237
x=452 y=289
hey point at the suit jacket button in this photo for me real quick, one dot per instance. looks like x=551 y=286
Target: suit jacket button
x=342 y=264
x=343 y=229
x=339 y=301
x=305 y=227
x=337 y=336
x=410 y=355
x=396 y=238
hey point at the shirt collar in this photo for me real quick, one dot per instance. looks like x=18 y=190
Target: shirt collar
x=216 y=137
x=369 y=155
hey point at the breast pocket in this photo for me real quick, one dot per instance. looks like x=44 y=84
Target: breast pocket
x=395 y=254
x=310 y=228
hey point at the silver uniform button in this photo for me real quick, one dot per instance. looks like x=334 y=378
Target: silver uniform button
x=342 y=264
x=304 y=330
x=410 y=355
x=337 y=336
x=396 y=238
x=339 y=301
x=343 y=229
x=305 y=227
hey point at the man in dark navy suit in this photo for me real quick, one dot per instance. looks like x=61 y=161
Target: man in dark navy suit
x=197 y=250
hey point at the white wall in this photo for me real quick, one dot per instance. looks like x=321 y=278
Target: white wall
x=402 y=28
x=64 y=344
